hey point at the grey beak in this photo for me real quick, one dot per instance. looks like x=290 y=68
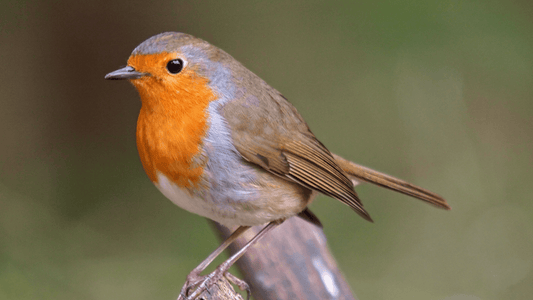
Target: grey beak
x=124 y=73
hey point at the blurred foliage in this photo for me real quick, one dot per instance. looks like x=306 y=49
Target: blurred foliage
x=437 y=92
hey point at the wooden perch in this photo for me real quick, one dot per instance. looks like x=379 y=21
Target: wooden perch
x=292 y=262
x=222 y=290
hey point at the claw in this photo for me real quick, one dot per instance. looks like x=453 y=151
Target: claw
x=193 y=280
x=207 y=281
x=243 y=286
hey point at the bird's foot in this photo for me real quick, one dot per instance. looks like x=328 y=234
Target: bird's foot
x=243 y=286
x=193 y=279
x=197 y=283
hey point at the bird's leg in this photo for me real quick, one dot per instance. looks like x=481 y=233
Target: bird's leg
x=224 y=267
x=194 y=277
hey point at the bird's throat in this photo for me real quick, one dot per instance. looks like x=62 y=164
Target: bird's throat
x=170 y=132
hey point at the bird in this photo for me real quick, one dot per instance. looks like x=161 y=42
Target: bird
x=220 y=142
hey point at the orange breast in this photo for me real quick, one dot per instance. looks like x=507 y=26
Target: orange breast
x=173 y=120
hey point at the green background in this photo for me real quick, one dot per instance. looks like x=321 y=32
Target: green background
x=439 y=93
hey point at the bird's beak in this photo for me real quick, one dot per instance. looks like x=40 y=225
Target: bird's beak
x=124 y=73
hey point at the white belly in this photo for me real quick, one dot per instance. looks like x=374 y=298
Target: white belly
x=227 y=214
x=181 y=197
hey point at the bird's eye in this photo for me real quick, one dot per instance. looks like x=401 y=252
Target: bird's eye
x=175 y=66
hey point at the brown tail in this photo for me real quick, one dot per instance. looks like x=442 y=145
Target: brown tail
x=360 y=173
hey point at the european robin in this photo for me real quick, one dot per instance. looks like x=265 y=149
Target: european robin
x=220 y=142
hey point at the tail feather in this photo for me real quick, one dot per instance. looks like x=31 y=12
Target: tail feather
x=358 y=173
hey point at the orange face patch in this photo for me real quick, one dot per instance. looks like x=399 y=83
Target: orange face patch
x=173 y=118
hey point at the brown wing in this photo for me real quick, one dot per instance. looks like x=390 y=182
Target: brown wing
x=268 y=131
x=313 y=167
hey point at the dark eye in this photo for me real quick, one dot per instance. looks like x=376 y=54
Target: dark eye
x=174 y=66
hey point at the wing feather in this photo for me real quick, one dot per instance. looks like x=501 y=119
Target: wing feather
x=268 y=131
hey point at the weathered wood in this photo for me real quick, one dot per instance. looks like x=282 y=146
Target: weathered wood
x=222 y=290
x=292 y=262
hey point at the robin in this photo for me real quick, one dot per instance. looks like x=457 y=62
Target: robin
x=220 y=142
